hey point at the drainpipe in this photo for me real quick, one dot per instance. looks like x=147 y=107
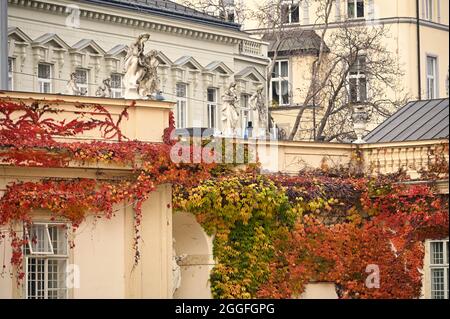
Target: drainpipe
x=419 y=68
x=3 y=44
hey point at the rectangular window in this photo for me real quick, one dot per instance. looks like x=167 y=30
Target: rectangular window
x=431 y=77
x=45 y=78
x=46 y=259
x=280 y=83
x=357 y=81
x=116 y=86
x=82 y=77
x=10 y=74
x=355 y=9
x=181 y=111
x=290 y=12
x=439 y=269
x=429 y=9
x=212 y=108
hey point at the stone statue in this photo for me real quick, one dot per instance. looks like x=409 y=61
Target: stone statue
x=140 y=79
x=176 y=269
x=230 y=114
x=150 y=82
x=72 y=86
x=105 y=89
x=259 y=112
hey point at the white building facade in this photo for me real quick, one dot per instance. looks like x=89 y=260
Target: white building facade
x=200 y=55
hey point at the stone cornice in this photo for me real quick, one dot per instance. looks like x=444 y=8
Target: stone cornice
x=356 y=22
x=232 y=37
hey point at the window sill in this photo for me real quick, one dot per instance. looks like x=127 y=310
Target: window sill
x=359 y=19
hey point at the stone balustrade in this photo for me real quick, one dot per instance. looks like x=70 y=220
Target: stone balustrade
x=250 y=48
x=412 y=157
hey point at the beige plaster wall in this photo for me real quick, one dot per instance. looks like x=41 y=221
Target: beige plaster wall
x=196 y=245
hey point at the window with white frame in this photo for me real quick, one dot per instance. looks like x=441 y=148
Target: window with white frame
x=429 y=9
x=212 y=107
x=431 y=77
x=82 y=77
x=10 y=74
x=116 y=86
x=45 y=78
x=355 y=9
x=181 y=111
x=46 y=260
x=439 y=278
x=280 y=83
x=357 y=81
x=290 y=11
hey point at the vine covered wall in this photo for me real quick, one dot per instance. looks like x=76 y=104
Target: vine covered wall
x=273 y=234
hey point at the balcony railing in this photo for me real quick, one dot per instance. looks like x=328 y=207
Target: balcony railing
x=412 y=157
x=250 y=48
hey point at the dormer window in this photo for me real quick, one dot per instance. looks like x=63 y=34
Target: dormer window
x=290 y=12
x=355 y=9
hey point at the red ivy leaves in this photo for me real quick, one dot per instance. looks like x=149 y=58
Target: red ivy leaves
x=398 y=218
x=27 y=138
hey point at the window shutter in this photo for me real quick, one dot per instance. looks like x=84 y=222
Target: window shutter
x=371 y=10
x=305 y=12
x=338 y=10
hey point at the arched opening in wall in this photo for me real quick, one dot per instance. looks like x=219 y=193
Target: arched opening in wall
x=194 y=247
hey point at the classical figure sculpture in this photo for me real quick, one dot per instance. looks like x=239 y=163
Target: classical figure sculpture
x=176 y=269
x=105 y=89
x=150 y=81
x=72 y=86
x=259 y=112
x=230 y=114
x=140 y=79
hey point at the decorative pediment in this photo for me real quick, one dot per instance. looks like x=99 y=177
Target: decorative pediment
x=18 y=35
x=17 y=43
x=218 y=67
x=51 y=39
x=188 y=62
x=114 y=58
x=87 y=45
x=117 y=51
x=249 y=74
x=163 y=59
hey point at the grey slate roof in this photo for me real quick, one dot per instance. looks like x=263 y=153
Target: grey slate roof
x=166 y=8
x=295 y=42
x=418 y=120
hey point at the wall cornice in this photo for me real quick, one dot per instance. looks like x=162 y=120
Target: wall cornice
x=358 y=22
x=127 y=19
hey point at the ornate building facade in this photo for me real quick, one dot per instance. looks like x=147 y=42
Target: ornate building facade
x=199 y=55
